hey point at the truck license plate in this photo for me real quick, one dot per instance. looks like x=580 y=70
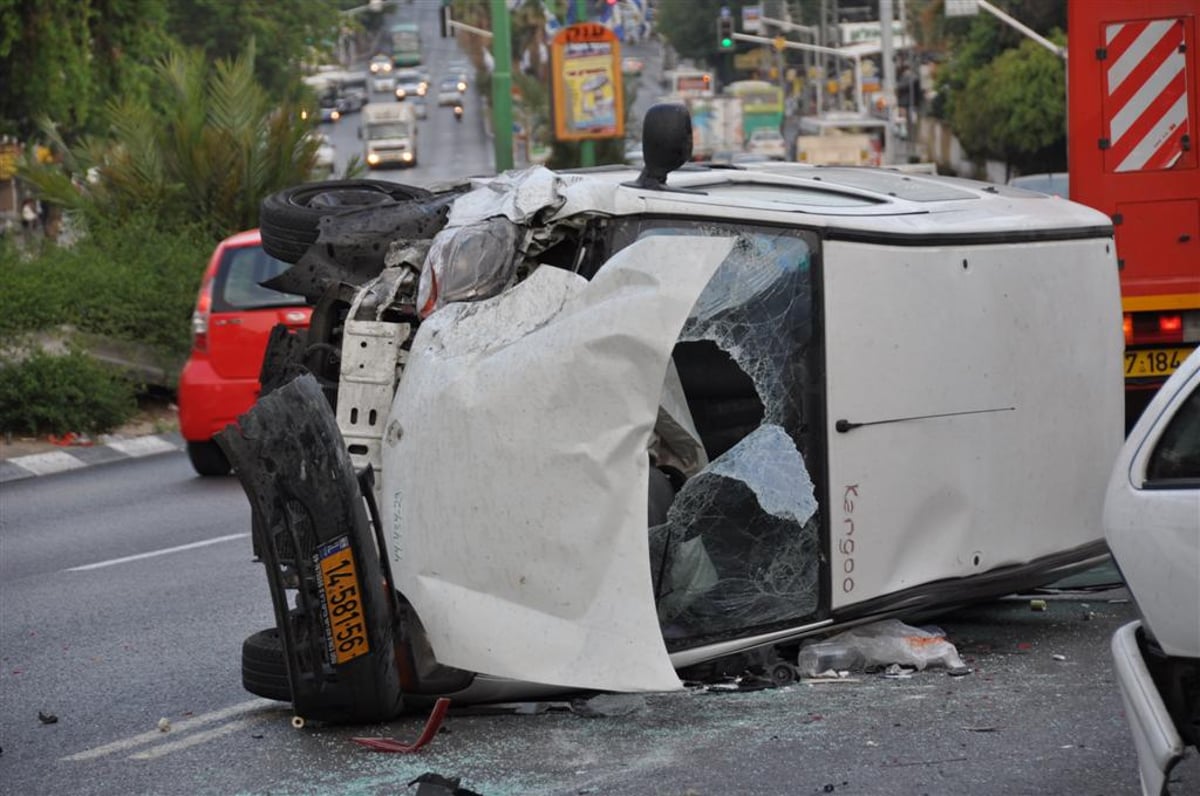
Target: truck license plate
x=1154 y=362
x=341 y=602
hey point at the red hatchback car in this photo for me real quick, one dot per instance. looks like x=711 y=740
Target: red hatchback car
x=233 y=319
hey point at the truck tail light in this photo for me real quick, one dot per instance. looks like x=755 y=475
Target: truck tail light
x=1162 y=328
x=200 y=317
x=1170 y=327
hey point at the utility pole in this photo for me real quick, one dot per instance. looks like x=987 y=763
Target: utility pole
x=887 y=55
x=587 y=148
x=502 y=133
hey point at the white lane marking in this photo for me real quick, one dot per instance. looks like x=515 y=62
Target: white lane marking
x=180 y=726
x=141 y=446
x=153 y=553
x=47 y=463
x=192 y=740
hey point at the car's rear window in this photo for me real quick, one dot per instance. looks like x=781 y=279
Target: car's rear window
x=238 y=281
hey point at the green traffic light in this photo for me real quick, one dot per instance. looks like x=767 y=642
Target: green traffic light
x=726 y=42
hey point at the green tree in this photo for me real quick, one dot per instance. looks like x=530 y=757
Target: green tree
x=691 y=25
x=284 y=33
x=207 y=152
x=64 y=58
x=1014 y=109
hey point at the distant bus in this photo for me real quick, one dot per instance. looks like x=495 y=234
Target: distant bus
x=406 y=44
x=762 y=104
x=688 y=83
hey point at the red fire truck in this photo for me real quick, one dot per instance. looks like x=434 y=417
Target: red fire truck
x=1133 y=113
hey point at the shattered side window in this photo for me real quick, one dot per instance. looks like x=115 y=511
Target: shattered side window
x=740 y=549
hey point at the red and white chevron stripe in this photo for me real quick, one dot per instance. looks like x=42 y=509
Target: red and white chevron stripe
x=1146 y=85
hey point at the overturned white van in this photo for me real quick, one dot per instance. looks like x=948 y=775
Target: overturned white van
x=585 y=429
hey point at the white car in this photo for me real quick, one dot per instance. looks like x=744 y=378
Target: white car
x=325 y=161
x=767 y=142
x=588 y=429
x=1152 y=521
x=451 y=91
x=380 y=68
x=410 y=83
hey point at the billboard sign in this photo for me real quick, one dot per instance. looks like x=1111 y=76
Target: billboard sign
x=589 y=102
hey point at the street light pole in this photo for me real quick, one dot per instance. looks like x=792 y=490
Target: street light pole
x=502 y=133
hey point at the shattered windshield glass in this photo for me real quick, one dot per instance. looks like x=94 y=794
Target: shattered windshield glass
x=740 y=546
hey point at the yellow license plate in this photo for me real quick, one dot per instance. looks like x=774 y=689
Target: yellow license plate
x=1154 y=362
x=341 y=602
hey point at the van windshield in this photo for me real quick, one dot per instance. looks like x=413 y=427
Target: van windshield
x=741 y=544
x=388 y=130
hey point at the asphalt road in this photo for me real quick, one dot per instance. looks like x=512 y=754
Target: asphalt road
x=127 y=588
x=447 y=150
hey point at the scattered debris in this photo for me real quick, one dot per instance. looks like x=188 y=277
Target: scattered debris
x=980 y=729
x=897 y=672
x=879 y=644
x=432 y=725
x=608 y=705
x=164 y=725
x=1037 y=605
x=47 y=718
x=431 y=784
x=70 y=439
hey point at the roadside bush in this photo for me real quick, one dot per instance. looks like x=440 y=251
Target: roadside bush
x=135 y=282
x=52 y=394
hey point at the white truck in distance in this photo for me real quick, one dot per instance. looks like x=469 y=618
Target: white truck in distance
x=389 y=133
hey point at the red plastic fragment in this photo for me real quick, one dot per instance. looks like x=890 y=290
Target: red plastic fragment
x=432 y=725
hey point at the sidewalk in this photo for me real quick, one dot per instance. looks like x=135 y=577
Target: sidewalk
x=152 y=431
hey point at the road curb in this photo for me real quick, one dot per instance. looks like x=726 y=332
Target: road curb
x=50 y=462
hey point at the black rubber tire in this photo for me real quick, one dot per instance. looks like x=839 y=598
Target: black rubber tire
x=264 y=671
x=207 y=459
x=289 y=219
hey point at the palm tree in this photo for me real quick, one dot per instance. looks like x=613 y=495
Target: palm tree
x=211 y=147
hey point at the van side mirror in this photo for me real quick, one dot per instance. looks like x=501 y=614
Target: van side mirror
x=666 y=143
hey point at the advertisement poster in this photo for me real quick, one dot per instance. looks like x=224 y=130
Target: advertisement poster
x=588 y=96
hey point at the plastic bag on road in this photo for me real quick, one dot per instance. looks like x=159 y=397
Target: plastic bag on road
x=877 y=645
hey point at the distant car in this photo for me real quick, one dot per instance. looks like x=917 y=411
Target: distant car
x=420 y=107
x=326 y=155
x=380 y=64
x=1055 y=183
x=460 y=70
x=1152 y=521
x=351 y=100
x=450 y=91
x=233 y=318
x=411 y=83
x=765 y=141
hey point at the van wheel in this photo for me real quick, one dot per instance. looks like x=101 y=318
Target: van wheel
x=207 y=459
x=264 y=670
x=290 y=218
